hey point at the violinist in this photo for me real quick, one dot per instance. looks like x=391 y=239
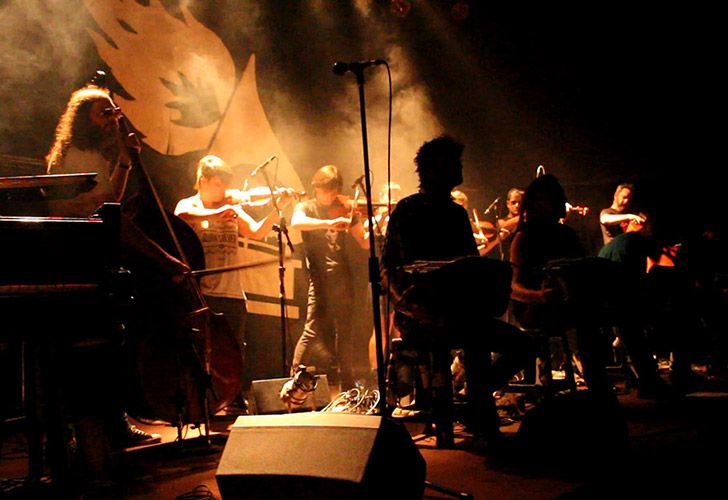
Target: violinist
x=88 y=139
x=215 y=213
x=614 y=219
x=330 y=235
x=480 y=238
x=507 y=225
x=389 y=195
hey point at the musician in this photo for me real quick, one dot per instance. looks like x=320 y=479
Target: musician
x=330 y=234
x=615 y=219
x=215 y=213
x=480 y=239
x=509 y=223
x=630 y=251
x=538 y=303
x=389 y=194
x=88 y=139
x=430 y=226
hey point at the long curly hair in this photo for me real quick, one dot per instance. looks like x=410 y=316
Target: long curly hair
x=548 y=187
x=76 y=129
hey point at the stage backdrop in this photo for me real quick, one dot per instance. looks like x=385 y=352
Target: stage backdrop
x=586 y=96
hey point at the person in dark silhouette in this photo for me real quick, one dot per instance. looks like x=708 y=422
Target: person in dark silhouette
x=630 y=251
x=430 y=226
x=538 y=300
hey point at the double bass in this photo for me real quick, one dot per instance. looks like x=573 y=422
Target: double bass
x=185 y=359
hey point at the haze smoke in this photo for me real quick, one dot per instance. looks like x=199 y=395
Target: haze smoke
x=42 y=45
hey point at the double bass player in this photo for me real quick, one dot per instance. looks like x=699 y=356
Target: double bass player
x=88 y=139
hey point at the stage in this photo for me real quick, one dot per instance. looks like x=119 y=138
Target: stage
x=674 y=447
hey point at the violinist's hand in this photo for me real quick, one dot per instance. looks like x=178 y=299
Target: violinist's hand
x=285 y=195
x=227 y=213
x=339 y=224
x=638 y=219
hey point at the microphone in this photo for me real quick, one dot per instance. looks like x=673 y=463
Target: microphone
x=262 y=165
x=341 y=68
x=491 y=206
x=358 y=182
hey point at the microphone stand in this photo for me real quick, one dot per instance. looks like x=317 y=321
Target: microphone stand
x=496 y=216
x=282 y=230
x=374 y=274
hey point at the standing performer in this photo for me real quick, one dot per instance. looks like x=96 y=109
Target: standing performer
x=217 y=217
x=329 y=231
x=88 y=139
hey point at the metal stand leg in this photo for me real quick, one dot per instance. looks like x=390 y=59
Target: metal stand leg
x=448 y=491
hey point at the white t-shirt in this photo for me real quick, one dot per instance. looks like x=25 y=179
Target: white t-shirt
x=76 y=161
x=219 y=240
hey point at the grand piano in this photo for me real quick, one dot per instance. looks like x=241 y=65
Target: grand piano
x=57 y=279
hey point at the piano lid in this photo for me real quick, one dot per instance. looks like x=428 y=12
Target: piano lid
x=45 y=187
x=83 y=181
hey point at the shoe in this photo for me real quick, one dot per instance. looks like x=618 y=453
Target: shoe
x=235 y=409
x=130 y=435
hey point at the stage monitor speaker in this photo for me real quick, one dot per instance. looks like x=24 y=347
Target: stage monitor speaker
x=267 y=396
x=320 y=456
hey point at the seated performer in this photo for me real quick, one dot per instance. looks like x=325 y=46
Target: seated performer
x=329 y=232
x=538 y=302
x=215 y=214
x=484 y=245
x=508 y=224
x=615 y=219
x=430 y=226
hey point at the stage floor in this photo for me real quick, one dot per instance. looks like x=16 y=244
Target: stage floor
x=672 y=448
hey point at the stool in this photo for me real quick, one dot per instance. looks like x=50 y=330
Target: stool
x=420 y=371
x=542 y=380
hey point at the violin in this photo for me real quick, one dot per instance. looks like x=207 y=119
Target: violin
x=583 y=211
x=487 y=227
x=259 y=196
x=359 y=205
